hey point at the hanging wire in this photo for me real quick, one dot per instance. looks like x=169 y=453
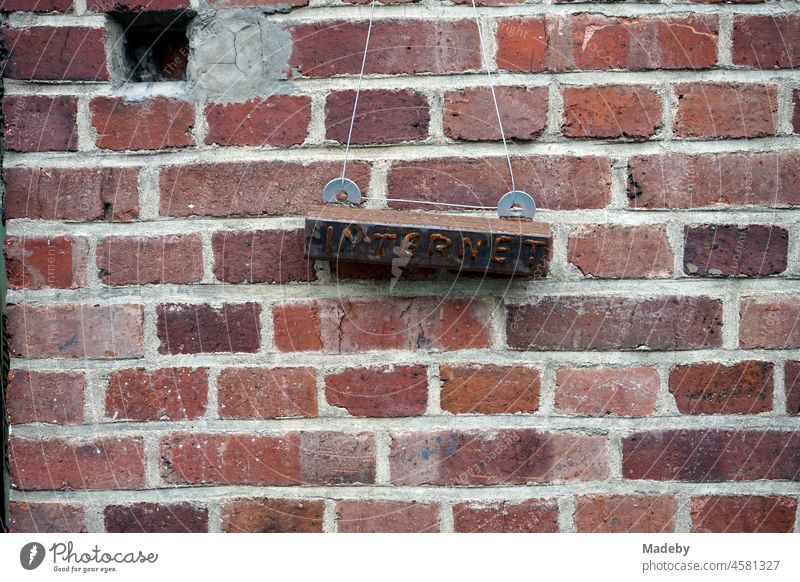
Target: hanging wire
x=358 y=88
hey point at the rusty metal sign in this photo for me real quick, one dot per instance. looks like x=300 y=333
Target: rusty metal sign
x=456 y=243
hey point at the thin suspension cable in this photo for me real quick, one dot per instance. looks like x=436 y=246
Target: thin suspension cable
x=494 y=96
x=358 y=89
x=431 y=203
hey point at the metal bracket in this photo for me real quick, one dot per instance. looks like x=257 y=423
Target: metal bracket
x=516 y=204
x=341 y=191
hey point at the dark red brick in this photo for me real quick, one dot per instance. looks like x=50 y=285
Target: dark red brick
x=372 y=516
x=137 y=5
x=133 y=260
x=54 y=397
x=743 y=388
x=625 y=513
x=796 y=114
x=602 y=391
x=489 y=389
x=379 y=391
x=611 y=111
x=728 y=250
x=278 y=120
x=793 y=387
x=532 y=516
x=769 y=321
x=156 y=518
x=46 y=518
x=267 y=392
x=743 y=513
x=154 y=124
x=194 y=329
x=766 y=41
x=57 y=262
x=60 y=53
x=382 y=117
x=261 y=256
x=166 y=393
x=38 y=6
x=469 y=114
x=730 y=110
x=273 y=515
x=40 y=123
x=619 y=251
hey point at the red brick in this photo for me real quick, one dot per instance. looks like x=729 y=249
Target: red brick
x=766 y=41
x=80 y=194
x=796 y=115
x=251 y=188
x=164 y=394
x=743 y=513
x=769 y=322
x=38 y=6
x=46 y=518
x=602 y=391
x=379 y=391
x=532 y=516
x=194 y=329
x=154 y=124
x=76 y=331
x=793 y=387
x=726 y=110
x=743 y=388
x=727 y=250
x=247 y=459
x=618 y=251
x=625 y=513
x=611 y=111
x=709 y=455
x=156 y=518
x=62 y=53
x=273 y=515
x=598 y=42
x=55 y=397
x=469 y=114
x=381 y=1
x=489 y=389
x=267 y=392
x=261 y=256
x=770 y=179
x=39 y=123
x=370 y=516
x=512 y=457
x=46 y=263
x=279 y=120
x=133 y=260
x=555 y=182
x=394 y=324
x=154 y=5
x=324 y=49
x=382 y=117
x=100 y=463
x=615 y=323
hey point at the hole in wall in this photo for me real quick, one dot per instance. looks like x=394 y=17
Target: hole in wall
x=154 y=47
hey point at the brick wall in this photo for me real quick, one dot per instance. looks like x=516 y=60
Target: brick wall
x=178 y=365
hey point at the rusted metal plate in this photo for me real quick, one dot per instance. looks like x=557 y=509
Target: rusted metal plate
x=410 y=239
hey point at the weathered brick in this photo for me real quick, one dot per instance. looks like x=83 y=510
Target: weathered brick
x=267 y=392
x=100 y=463
x=382 y=117
x=278 y=120
x=247 y=459
x=379 y=391
x=522 y=44
x=618 y=251
x=57 y=262
x=731 y=110
x=133 y=260
x=76 y=331
x=532 y=516
x=154 y=124
x=770 y=179
x=38 y=6
x=273 y=515
x=261 y=256
x=372 y=516
x=709 y=455
x=727 y=250
x=602 y=391
x=615 y=323
x=793 y=387
x=625 y=513
x=72 y=193
x=46 y=518
x=513 y=457
x=40 y=123
x=469 y=114
x=166 y=393
x=251 y=188
x=766 y=41
x=796 y=114
x=743 y=513
x=324 y=49
x=193 y=329
x=137 y=5
x=743 y=388
x=555 y=182
x=611 y=111
x=156 y=518
x=770 y=322
x=55 y=53
x=362 y=325
x=54 y=397
x=489 y=389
